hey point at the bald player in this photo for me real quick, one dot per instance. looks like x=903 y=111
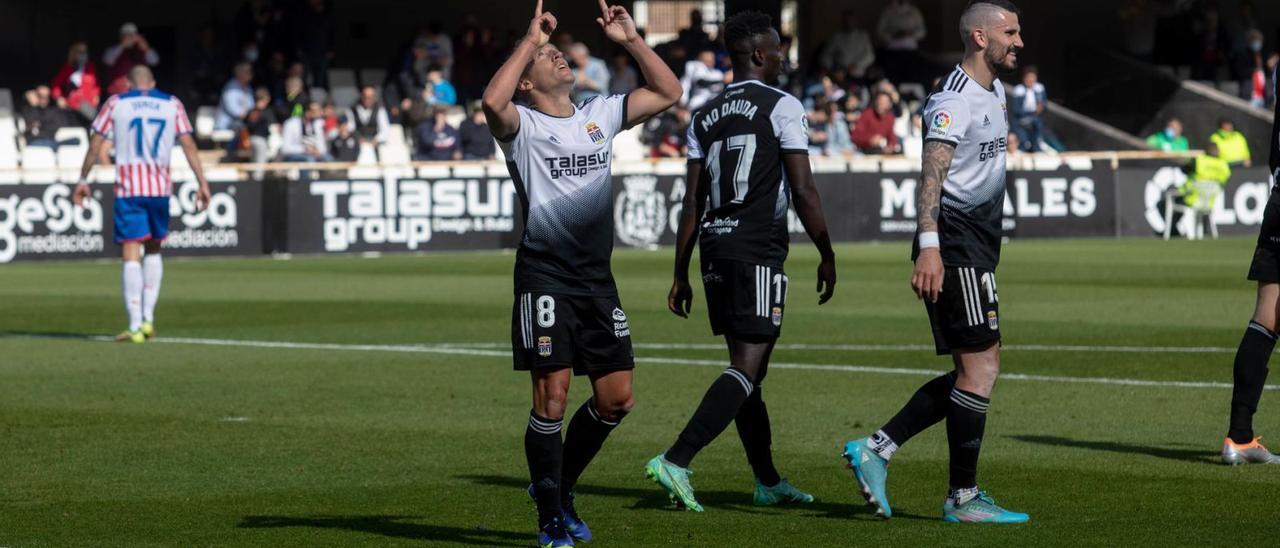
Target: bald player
x=957 y=247
x=143 y=123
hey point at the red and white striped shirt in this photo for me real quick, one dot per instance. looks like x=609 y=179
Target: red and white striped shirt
x=143 y=125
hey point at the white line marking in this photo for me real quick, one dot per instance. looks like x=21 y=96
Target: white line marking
x=909 y=347
x=455 y=350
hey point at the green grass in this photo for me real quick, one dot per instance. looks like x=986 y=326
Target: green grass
x=181 y=444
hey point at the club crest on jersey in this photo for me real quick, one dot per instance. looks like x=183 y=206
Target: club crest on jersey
x=992 y=322
x=595 y=133
x=544 y=346
x=777 y=316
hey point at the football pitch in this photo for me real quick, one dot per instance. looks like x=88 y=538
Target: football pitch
x=338 y=401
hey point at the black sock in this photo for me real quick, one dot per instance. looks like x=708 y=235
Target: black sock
x=587 y=432
x=544 y=449
x=1250 y=374
x=753 y=429
x=927 y=407
x=718 y=408
x=966 y=421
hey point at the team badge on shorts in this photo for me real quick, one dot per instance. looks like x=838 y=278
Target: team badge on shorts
x=595 y=133
x=544 y=346
x=992 y=322
x=777 y=316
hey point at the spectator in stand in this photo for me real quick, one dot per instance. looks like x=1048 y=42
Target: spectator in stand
x=666 y=132
x=367 y=119
x=1252 y=66
x=1027 y=104
x=331 y=120
x=702 y=81
x=471 y=71
x=413 y=75
x=131 y=51
x=436 y=140
x=622 y=76
x=277 y=71
x=205 y=63
x=237 y=99
x=1233 y=148
x=313 y=40
x=258 y=123
x=75 y=86
x=439 y=91
x=302 y=138
x=1210 y=43
x=694 y=38
x=819 y=129
x=874 y=132
x=345 y=146
x=591 y=75
x=439 y=49
x=294 y=102
x=477 y=141
x=899 y=30
x=1012 y=142
x=43 y=118
x=1170 y=139
x=839 y=141
x=849 y=48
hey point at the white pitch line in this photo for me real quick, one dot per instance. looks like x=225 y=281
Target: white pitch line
x=908 y=347
x=453 y=350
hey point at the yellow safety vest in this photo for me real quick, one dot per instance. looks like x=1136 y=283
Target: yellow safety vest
x=1207 y=168
x=1232 y=147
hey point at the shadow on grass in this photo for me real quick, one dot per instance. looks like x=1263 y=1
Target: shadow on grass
x=733 y=501
x=1185 y=455
x=394 y=527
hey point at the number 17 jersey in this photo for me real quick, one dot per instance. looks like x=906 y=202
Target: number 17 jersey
x=739 y=138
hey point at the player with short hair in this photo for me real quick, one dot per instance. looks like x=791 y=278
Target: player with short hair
x=567 y=319
x=961 y=205
x=748 y=157
x=144 y=122
x=1241 y=446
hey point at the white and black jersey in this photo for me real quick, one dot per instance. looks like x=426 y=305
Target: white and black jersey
x=738 y=138
x=975 y=121
x=560 y=167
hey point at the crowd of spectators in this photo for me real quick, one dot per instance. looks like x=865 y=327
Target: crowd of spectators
x=863 y=95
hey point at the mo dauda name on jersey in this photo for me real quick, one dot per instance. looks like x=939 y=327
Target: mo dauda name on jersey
x=576 y=165
x=737 y=106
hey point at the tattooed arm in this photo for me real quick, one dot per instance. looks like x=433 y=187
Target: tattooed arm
x=926 y=279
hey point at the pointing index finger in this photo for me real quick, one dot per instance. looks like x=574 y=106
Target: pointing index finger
x=604 y=9
x=537 y=12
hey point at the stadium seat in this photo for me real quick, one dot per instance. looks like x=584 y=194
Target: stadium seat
x=1194 y=218
x=342 y=77
x=71 y=156
x=628 y=148
x=395 y=135
x=318 y=94
x=455 y=116
x=389 y=154
x=274 y=141
x=368 y=155
x=39 y=165
x=204 y=122
x=344 y=96
x=373 y=77
x=6 y=102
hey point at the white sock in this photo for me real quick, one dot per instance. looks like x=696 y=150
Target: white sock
x=882 y=445
x=152 y=272
x=132 y=284
x=961 y=496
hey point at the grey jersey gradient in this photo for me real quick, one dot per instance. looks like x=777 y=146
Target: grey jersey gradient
x=561 y=167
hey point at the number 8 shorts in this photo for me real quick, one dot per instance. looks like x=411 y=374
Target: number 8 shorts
x=553 y=331
x=967 y=314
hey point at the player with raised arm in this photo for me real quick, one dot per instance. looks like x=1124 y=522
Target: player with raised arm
x=1241 y=446
x=567 y=319
x=748 y=157
x=144 y=122
x=957 y=247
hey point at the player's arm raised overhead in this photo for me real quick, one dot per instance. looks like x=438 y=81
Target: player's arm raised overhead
x=926 y=278
x=680 y=299
x=662 y=88
x=499 y=112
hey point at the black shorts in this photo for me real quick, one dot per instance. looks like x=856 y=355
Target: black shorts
x=1266 y=266
x=967 y=314
x=744 y=299
x=588 y=334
